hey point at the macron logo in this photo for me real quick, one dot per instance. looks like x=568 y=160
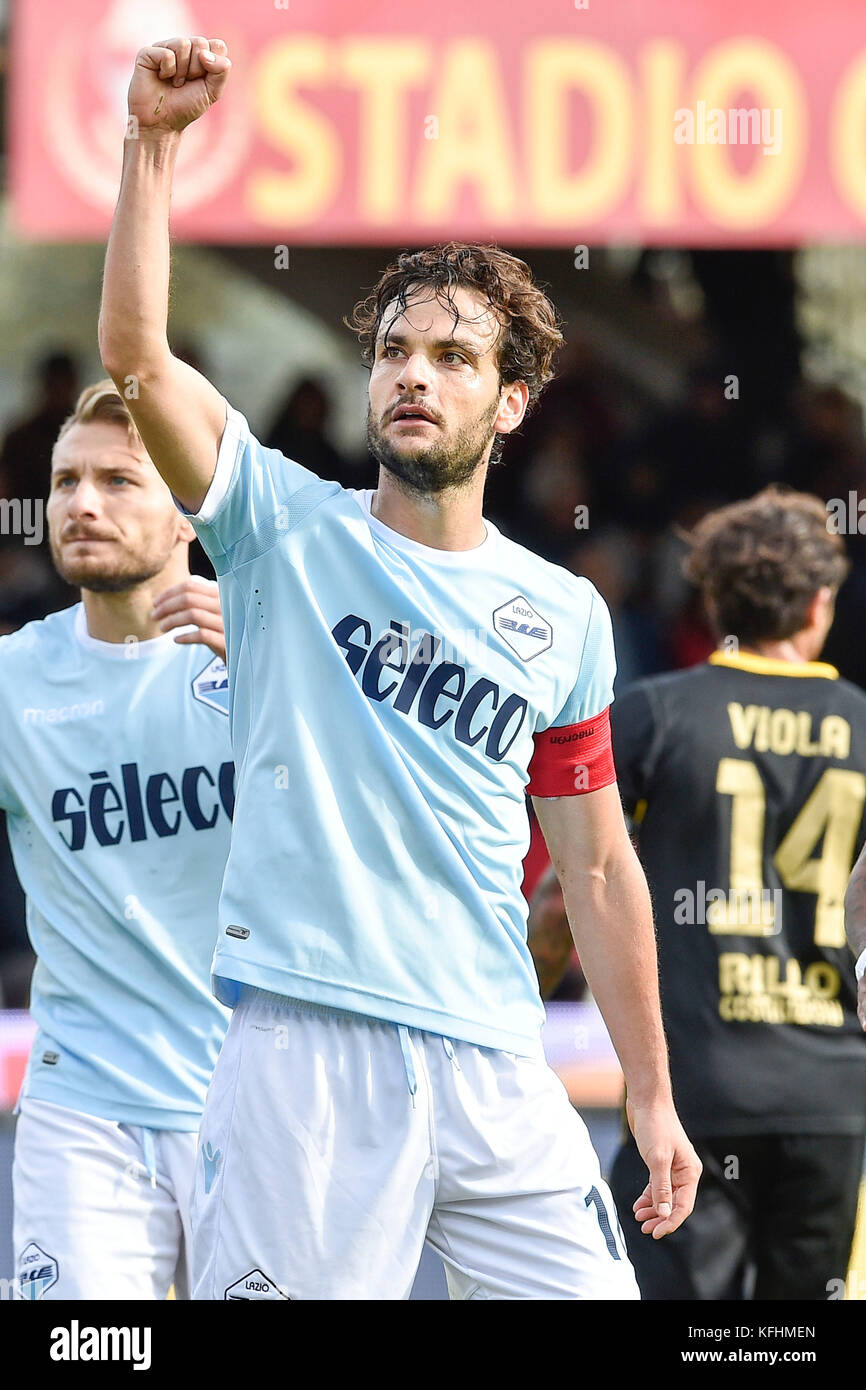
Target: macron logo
x=62 y=714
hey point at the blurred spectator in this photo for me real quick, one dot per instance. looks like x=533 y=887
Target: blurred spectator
x=691 y=638
x=577 y=421
x=749 y=304
x=25 y=457
x=700 y=451
x=300 y=432
x=826 y=455
x=28 y=584
x=826 y=451
x=552 y=490
x=611 y=561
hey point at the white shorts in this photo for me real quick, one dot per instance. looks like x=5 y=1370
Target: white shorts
x=101 y=1210
x=333 y=1145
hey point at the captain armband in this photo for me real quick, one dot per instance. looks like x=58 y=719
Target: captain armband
x=573 y=759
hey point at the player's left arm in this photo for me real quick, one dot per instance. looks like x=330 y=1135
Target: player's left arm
x=195 y=600
x=855 y=925
x=609 y=911
x=548 y=935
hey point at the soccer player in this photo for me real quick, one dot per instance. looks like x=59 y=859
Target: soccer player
x=747 y=776
x=117 y=779
x=399 y=672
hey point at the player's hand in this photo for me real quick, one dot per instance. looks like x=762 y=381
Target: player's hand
x=674 y=1168
x=196 y=601
x=175 y=81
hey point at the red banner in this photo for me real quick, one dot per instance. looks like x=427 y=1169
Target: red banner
x=560 y=122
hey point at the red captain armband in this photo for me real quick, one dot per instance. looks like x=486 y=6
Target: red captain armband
x=573 y=759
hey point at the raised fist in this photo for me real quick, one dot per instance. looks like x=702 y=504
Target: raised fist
x=175 y=81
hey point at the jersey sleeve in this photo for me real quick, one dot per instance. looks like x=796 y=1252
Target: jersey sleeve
x=574 y=754
x=636 y=735
x=255 y=497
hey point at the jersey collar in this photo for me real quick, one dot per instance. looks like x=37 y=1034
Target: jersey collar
x=772 y=666
x=479 y=554
x=120 y=651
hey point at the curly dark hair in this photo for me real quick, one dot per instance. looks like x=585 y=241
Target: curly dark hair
x=760 y=563
x=530 y=326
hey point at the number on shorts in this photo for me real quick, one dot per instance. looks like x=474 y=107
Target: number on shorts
x=594 y=1198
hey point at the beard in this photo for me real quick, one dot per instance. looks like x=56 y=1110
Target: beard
x=433 y=468
x=107 y=575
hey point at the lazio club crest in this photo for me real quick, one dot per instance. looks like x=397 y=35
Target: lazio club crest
x=255 y=1285
x=211 y=685
x=37 y=1271
x=524 y=629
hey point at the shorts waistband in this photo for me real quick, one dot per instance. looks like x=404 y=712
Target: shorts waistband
x=284 y=1003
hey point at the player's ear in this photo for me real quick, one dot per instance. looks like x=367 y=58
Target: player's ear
x=513 y=400
x=821 y=606
x=185 y=531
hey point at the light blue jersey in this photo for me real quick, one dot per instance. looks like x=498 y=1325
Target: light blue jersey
x=383 y=701
x=116 y=774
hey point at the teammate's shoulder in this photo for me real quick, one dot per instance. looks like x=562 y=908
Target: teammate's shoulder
x=40 y=635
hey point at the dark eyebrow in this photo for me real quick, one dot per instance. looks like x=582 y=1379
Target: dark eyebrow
x=400 y=340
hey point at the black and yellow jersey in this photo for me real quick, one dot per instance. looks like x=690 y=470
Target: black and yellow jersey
x=747 y=777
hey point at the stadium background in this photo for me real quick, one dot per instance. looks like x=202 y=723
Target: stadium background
x=714 y=294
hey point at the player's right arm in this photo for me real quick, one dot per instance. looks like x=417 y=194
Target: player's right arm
x=855 y=924
x=179 y=414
